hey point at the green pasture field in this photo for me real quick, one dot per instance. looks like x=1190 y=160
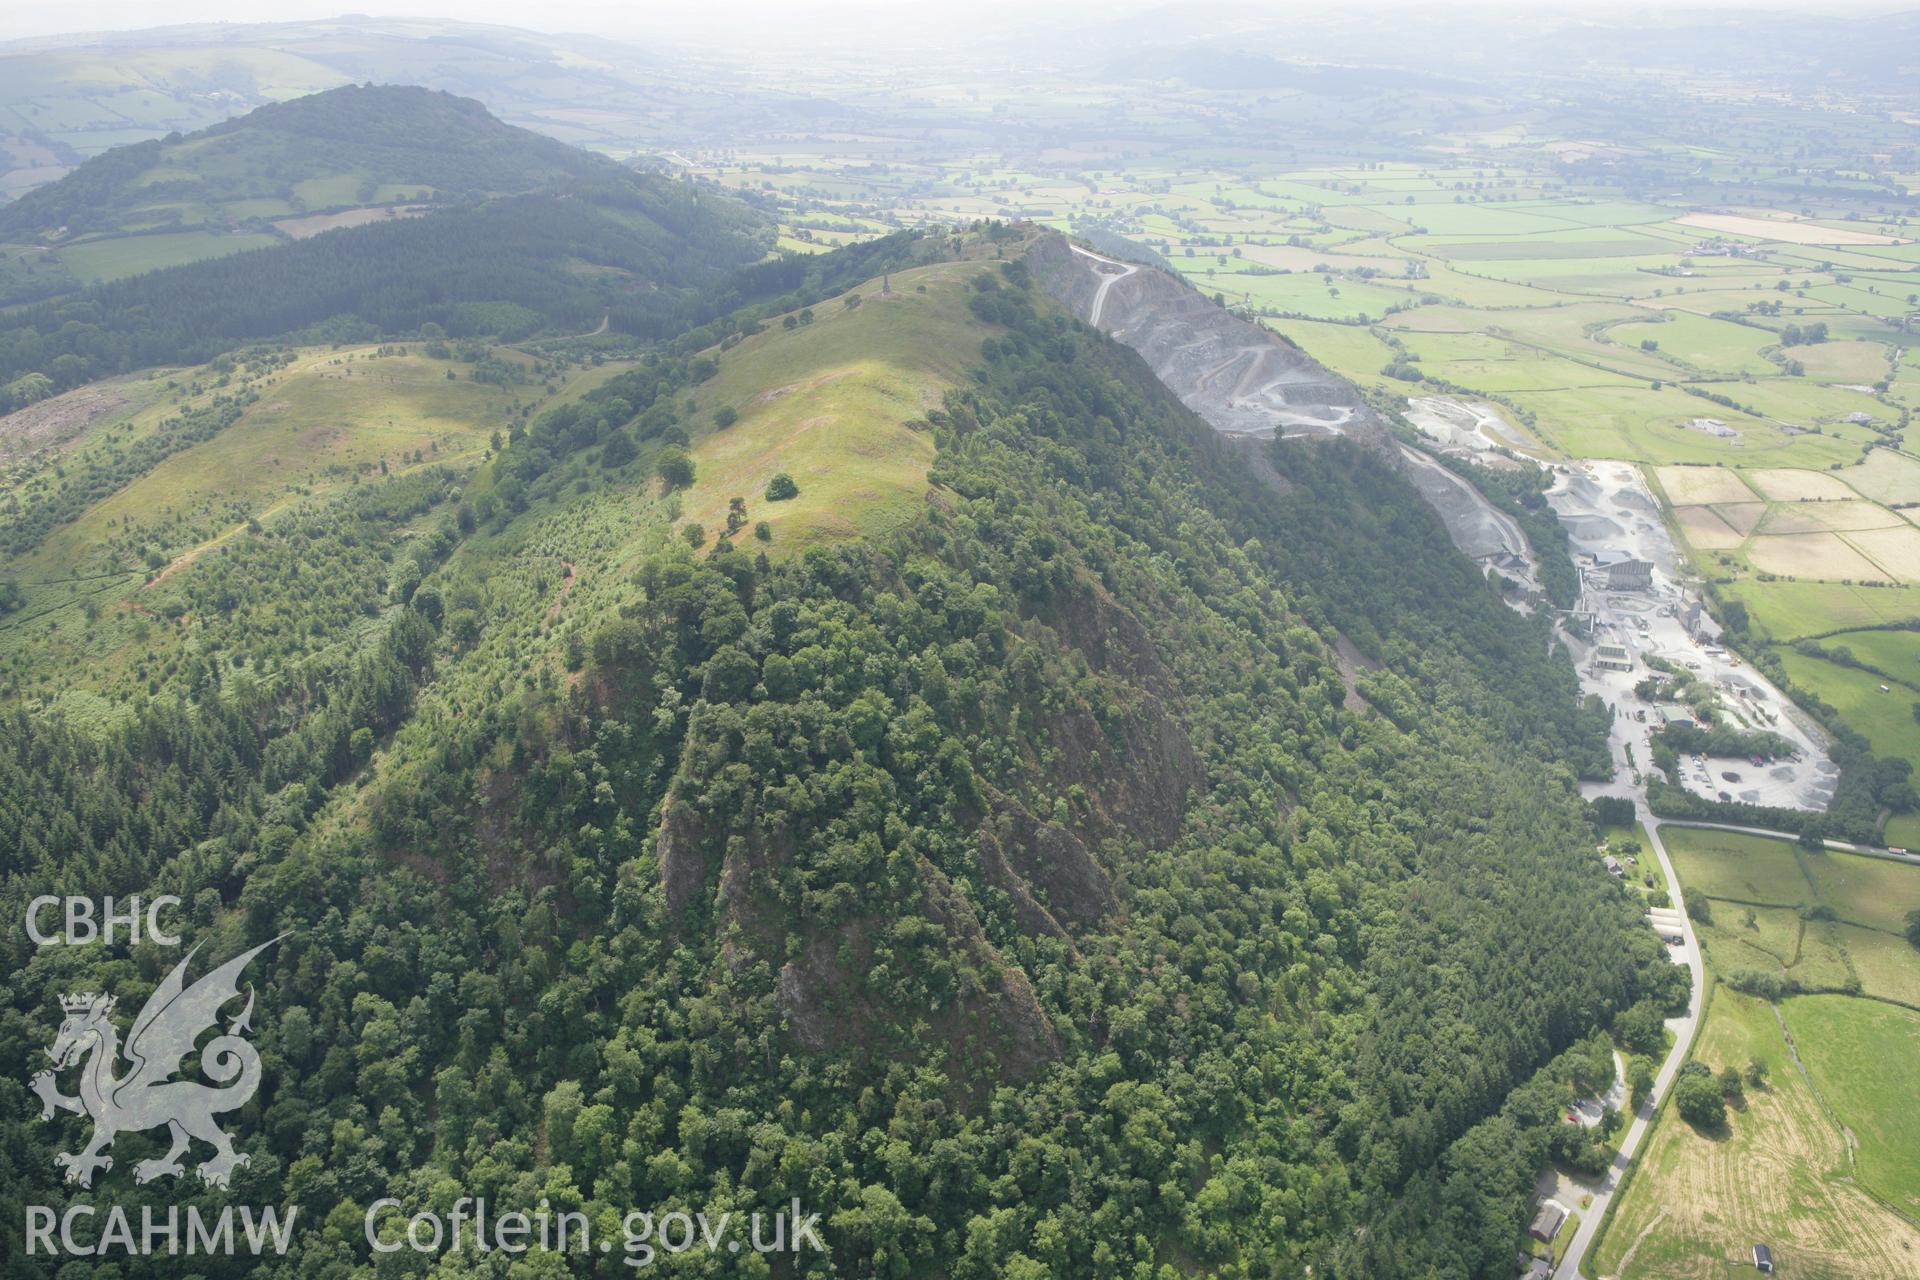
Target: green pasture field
x=329 y=192
x=1727 y=864
x=1717 y=345
x=1787 y=610
x=1640 y=424
x=1306 y=293
x=1885 y=718
x=1895 y=652
x=1775 y=940
x=1884 y=962
x=1348 y=349
x=1856 y=933
x=1862 y=1056
x=95 y=261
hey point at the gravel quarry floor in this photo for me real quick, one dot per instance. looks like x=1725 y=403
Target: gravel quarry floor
x=1607 y=509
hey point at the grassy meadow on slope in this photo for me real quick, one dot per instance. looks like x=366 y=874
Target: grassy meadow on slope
x=101 y=594
x=839 y=403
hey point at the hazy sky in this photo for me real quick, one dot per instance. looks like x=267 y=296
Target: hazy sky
x=20 y=18
x=720 y=21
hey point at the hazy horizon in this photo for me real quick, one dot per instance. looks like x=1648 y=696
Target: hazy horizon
x=757 y=22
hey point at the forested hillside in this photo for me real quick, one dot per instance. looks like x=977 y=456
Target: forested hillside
x=1122 y=862
x=631 y=252
x=508 y=234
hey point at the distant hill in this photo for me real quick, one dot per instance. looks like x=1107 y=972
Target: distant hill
x=510 y=235
x=352 y=148
x=66 y=99
x=1233 y=71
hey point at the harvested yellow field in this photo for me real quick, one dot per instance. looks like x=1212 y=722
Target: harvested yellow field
x=1744 y=516
x=1817 y=517
x=1778 y=1173
x=1781 y=229
x=1789 y=484
x=1824 y=556
x=1688 y=486
x=1705 y=530
x=1886 y=476
x=1895 y=550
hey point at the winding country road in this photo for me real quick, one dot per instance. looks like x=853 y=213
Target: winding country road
x=1683 y=1029
x=1871 y=851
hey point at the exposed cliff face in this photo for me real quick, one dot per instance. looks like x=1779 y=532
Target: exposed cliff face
x=1242 y=378
x=1130 y=765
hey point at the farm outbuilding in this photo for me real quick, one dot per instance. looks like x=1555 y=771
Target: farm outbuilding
x=1546 y=1223
x=1763 y=1259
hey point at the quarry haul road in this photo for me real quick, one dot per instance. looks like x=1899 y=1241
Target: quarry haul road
x=1107 y=280
x=1500 y=526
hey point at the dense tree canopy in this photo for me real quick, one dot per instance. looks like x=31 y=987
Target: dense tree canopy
x=1125 y=862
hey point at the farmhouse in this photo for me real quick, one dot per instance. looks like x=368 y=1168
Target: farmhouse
x=1546 y=1223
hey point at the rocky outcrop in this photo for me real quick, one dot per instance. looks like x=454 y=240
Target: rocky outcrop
x=1050 y=858
x=827 y=1004
x=681 y=853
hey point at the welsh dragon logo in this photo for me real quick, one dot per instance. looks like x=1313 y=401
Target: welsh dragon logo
x=148 y=1096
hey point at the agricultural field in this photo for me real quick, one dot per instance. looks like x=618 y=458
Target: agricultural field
x=1783 y=1170
x=97 y=261
x=1886 y=718
x=1780 y=1172
x=1860 y=1055
x=1895 y=652
x=1779 y=910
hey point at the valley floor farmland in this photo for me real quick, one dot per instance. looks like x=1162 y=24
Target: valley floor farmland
x=1778 y=1175
x=1817 y=1162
